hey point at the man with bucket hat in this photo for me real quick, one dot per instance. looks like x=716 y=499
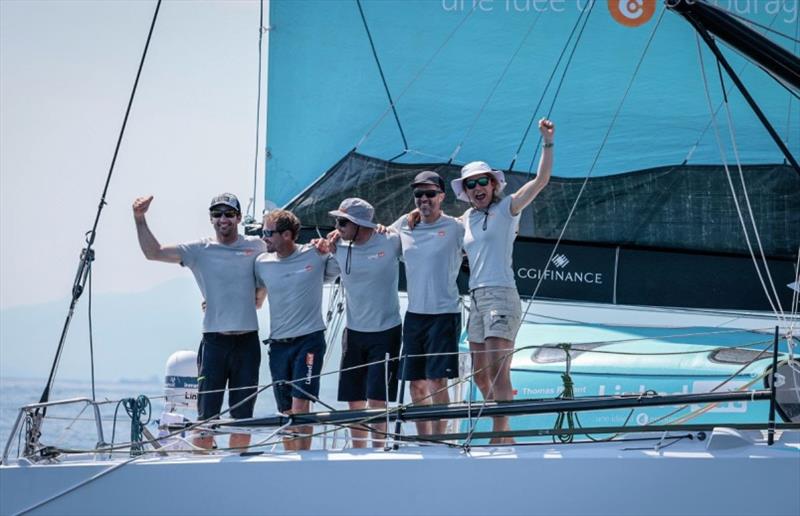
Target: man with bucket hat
x=432 y=252
x=369 y=269
x=229 y=353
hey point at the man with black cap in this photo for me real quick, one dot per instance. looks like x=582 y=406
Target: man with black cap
x=432 y=326
x=369 y=268
x=223 y=267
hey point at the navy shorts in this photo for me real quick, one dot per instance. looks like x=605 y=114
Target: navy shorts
x=359 y=348
x=297 y=360
x=227 y=359
x=435 y=336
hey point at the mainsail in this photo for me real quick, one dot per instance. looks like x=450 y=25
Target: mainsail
x=644 y=205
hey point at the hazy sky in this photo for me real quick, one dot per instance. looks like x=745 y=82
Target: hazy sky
x=66 y=71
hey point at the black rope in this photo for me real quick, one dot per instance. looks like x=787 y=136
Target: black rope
x=87 y=255
x=561 y=82
x=544 y=92
x=258 y=110
x=383 y=77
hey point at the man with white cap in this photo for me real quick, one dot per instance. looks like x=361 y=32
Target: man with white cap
x=491 y=225
x=432 y=252
x=369 y=267
x=230 y=353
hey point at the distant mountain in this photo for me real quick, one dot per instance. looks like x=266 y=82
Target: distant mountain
x=134 y=333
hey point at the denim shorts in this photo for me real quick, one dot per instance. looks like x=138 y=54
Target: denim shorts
x=494 y=312
x=298 y=362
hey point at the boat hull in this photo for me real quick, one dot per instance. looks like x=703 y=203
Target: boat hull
x=726 y=475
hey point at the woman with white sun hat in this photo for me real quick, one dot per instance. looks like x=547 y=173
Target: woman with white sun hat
x=491 y=225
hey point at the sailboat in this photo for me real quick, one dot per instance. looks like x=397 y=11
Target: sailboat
x=644 y=229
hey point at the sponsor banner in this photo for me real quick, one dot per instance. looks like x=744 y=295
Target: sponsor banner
x=698 y=280
x=584 y=273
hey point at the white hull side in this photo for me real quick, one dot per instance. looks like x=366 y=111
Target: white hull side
x=582 y=479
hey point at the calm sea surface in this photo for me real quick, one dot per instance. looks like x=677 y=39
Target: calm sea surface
x=67 y=426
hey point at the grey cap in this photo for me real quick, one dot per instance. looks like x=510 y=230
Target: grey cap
x=226 y=199
x=428 y=177
x=358 y=211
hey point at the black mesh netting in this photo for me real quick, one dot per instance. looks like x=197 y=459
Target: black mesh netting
x=679 y=207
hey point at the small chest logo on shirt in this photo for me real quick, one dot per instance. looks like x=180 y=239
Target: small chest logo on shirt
x=307 y=268
x=441 y=233
x=246 y=252
x=379 y=254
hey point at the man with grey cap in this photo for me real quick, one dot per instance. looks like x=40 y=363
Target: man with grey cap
x=222 y=265
x=432 y=252
x=369 y=268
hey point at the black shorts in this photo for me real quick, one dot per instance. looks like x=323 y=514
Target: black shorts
x=298 y=361
x=435 y=336
x=227 y=359
x=369 y=382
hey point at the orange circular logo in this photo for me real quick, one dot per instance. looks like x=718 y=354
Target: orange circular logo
x=632 y=13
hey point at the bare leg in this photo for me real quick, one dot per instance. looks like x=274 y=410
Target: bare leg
x=299 y=406
x=379 y=436
x=202 y=441
x=492 y=362
x=239 y=441
x=419 y=395
x=440 y=396
x=359 y=436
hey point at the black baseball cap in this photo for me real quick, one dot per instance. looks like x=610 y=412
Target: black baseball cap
x=226 y=199
x=428 y=177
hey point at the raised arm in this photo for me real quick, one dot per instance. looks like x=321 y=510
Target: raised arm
x=150 y=247
x=528 y=192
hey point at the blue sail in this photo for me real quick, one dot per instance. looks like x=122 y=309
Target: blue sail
x=639 y=113
x=470 y=74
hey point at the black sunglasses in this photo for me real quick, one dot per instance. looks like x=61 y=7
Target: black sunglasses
x=472 y=183
x=266 y=233
x=430 y=194
x=342 y=222
x=231 y=214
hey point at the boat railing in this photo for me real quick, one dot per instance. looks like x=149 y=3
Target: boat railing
x=32 y=411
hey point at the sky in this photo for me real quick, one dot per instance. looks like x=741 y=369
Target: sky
x=66 y=72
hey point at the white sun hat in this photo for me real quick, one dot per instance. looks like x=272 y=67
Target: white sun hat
x=476 y=168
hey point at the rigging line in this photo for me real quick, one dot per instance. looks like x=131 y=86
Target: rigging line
x=756 y=233
x=596 y=157
x=261 y=31
x=730 y=181
x=789 y=108
x=383 y=77
x=416 y=76
x=744 y=67
x=546 y=87
x=494 y=87
x=91 y=334
x=88 y=253
x=560 y=84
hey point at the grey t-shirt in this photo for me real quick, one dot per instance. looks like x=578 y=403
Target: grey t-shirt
x=432 y=254
x=370 y=288
x=294 y=290
x=489 y=251
x=224 y=274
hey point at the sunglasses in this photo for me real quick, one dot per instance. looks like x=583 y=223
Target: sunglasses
x=430 y=194
x=472 y=183
x=231 y=214
x=266 y=233
x=342 y=222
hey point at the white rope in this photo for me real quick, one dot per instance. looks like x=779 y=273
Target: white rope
x=494 y=88
x=730 y=182
x=416 y=77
